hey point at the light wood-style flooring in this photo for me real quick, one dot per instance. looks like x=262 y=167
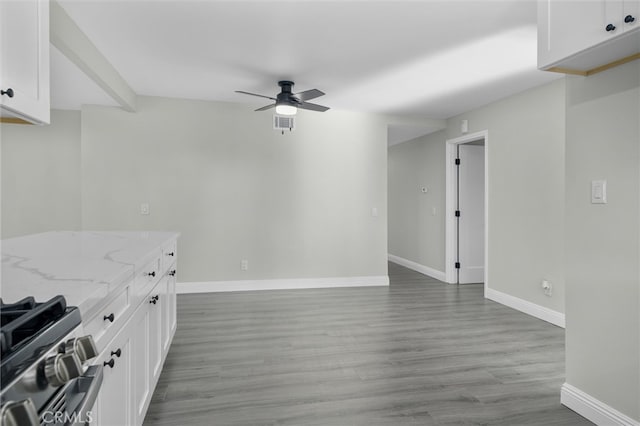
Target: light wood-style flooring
x=419 y=352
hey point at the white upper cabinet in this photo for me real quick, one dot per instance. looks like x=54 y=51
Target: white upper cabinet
x=582 y=35
x=24 y=60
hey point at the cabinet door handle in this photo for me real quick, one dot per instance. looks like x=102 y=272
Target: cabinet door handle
x=110 y=363
x=152 y=274
x=8 y=92
x=172 y=273
x=610 y=27
x=117 y=352
x=110 y=317
x=154 y=299
x=629 y=19
x=173 y=254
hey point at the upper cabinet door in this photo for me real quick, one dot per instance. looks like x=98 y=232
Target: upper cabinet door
x=567 y=27
x=582 y=35
x=24 y=60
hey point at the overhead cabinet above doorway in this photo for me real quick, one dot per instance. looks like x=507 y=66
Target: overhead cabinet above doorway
x=587 y=36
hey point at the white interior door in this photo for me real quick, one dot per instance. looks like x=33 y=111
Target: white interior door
x=471 y=206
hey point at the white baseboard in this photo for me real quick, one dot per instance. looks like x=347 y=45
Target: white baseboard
x=433 y=273
x=540 y=312
x=284 y=284
x=593 y=409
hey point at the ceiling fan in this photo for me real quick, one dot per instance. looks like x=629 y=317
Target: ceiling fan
x=287 y=103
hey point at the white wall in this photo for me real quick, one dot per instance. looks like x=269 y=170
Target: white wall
x=415 y=234
x=297 y=205
x=41 y=175
x=603 y=241
x=526 y=191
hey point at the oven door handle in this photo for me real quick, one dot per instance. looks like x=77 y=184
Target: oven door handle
x=89 y=385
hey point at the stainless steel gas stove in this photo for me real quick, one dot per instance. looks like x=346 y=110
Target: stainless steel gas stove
x=45 y=373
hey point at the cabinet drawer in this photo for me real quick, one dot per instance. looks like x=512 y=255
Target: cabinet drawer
x=169 y=255
x=110 y=319
x=147 y=277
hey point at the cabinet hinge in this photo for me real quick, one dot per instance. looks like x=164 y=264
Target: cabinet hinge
x=457 y=213
x=457 y=265
x=457 y=161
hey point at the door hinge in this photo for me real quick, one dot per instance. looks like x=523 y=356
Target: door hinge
x=457 y=213
x=457 y=161
x=457 y=265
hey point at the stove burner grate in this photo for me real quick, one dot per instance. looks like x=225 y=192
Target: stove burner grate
x=24 y=319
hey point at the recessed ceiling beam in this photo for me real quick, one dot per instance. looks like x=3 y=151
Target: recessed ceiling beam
x=75 y=45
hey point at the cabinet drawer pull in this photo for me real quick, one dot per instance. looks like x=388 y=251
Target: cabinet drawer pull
x=110 y=363
x=152 y=274
x=629 y=19
x=117 y=352
x=110 y=317
x=172 y=273
x=173 y=254
x=8 y=92
x=610 y=27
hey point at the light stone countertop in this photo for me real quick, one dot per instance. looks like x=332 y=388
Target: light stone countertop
x=85 y=267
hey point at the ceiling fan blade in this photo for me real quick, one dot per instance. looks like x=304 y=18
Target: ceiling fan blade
x=255 y=94
x=309 y=94
x=312 y=107
x=264 y=108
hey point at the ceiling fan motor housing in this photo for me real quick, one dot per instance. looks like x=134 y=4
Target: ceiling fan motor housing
x=286 y=95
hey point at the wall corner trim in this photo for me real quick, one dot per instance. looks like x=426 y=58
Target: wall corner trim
x=592 y=409
x=540 y=312
x=433 y=273
x=280 y=284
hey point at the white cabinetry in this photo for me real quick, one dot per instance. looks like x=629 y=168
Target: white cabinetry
x=142 y=387
x=583 y=35
x=133 y=359
x=113 y=406
x=24 y=67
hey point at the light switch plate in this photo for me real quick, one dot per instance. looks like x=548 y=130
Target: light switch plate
x=598 y=192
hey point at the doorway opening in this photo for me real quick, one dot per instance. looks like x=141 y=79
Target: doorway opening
x=467 y=209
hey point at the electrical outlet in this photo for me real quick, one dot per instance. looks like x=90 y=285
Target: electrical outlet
x=144 y=208
x=244 y=265
x=547 y=287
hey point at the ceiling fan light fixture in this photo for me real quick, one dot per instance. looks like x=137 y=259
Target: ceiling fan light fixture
x=286 y=109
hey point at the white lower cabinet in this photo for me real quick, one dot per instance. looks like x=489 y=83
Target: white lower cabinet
x=140 y=373
x=154 y=304
x=133 y=360
x=113 y=407
x=169 y=310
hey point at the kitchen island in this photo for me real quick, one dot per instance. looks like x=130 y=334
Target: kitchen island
x=124 y=286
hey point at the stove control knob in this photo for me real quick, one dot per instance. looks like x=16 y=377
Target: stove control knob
x=84 y=347
x=61 y=368
x=22 y=413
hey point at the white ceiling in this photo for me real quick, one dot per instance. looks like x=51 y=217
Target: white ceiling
x=431 y=58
